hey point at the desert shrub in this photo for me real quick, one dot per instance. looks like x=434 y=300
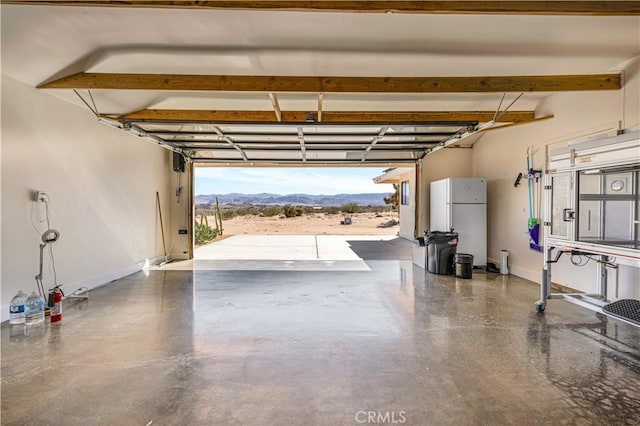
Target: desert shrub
x=247 y=210
x=292 y=211
x=272 y=211
x=203 y=233
x=229 y=214
x=332 y=210
x=350 y=208
x=232 y=211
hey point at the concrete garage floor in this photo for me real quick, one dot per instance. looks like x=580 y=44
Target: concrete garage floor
x=293 y=347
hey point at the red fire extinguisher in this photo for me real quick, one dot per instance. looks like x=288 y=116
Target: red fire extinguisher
x=55 y=303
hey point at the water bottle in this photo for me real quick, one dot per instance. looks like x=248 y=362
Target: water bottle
x=34 y=309
x=16 y=308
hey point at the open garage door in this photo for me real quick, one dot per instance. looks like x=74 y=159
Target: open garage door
x=290 y=217
x=306 y=143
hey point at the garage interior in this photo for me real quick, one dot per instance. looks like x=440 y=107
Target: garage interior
x=99 y=97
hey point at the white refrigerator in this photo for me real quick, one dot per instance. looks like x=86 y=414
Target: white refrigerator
x=461 y=204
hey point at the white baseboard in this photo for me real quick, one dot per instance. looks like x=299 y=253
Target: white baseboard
x=520 y=272
x=97 y=280
x=527 y=274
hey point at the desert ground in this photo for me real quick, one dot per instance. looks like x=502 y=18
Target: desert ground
x=312 y=224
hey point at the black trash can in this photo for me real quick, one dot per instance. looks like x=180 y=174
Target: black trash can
x=463 y=265
x=441 y=246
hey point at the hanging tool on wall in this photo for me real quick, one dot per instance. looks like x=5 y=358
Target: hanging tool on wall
x=533 y=183
x=518 y=179
x=49 y=236
x=164 y=244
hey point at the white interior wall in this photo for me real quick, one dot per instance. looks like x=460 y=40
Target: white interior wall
x=102 y=186
x=450 y=162
x=442 y=164
x=407 y=212
x=500 y=155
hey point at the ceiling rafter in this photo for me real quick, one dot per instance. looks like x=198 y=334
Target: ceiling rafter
x=308 y=84
x=477 y=7
x=544 y=117
x=276 y=106
x=320 y=98
x=180 y=115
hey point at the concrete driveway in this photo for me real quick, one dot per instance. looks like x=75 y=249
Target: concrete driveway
x=290 y=252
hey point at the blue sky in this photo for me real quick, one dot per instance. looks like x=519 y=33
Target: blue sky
x=288 y=180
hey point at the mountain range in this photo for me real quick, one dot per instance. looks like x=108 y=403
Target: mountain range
x=375 y=199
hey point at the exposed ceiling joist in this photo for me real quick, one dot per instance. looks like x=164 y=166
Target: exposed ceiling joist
x=545 y=117
x=182 y=115
x=276 y=106
x=505 y=7
x=298 y=84
x=320 y=98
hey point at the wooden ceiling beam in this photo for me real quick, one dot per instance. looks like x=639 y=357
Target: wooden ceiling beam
x=545 y=117
x=506 y=7
x=186 y=115
x=292 y=84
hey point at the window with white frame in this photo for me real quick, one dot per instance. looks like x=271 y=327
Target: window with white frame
x=404 y=193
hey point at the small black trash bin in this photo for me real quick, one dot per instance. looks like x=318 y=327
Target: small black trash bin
x=441 y=246
x=463 y=265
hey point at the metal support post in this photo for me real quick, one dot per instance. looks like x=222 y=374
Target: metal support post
x=602 y=276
